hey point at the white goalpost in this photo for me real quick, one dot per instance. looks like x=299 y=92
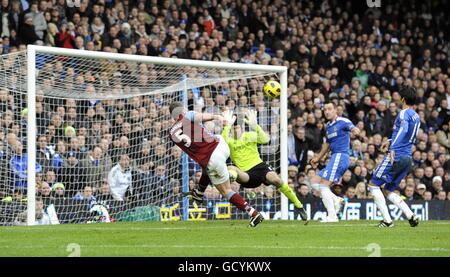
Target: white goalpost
x=96 y=127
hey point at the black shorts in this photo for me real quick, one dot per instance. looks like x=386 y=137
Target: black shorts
x=257 y=175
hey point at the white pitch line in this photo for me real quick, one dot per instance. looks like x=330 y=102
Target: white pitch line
x=119 y=228
x=277 y=247
x=110 y=246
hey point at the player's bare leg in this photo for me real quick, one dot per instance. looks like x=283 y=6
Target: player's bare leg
x=235 y=175
x=331 y=202
x=240 y=203
x=273 y=179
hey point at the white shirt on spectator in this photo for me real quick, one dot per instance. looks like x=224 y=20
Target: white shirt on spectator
x=119 y=181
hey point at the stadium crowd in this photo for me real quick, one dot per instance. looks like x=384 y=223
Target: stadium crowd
x=357 y=60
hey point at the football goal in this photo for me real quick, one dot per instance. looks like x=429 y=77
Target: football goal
x=84 y=135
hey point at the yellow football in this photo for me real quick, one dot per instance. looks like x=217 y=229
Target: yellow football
x=272 y=89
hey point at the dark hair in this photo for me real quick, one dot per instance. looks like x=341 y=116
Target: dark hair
x=409 y=94
x=174 y=106
x=330 y=102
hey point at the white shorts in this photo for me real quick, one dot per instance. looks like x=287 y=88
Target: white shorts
x=217 y=166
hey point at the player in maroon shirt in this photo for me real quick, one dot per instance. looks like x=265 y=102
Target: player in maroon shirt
x=209 y=151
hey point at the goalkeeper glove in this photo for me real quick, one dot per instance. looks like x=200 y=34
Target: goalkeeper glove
x=251 y=118
x=230 y=118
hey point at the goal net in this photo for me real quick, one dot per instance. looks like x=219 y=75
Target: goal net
x=84 y=136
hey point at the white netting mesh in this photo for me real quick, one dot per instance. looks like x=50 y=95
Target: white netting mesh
x=103 y=151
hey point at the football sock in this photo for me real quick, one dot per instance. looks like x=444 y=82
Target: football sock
x=398 y=201
x=327 y=199
x=204 y=181
x=379 y=199
x=286 y=190
x=241 y=204
x=315 y=186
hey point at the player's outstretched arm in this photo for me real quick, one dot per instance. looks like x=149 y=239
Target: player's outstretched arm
x=251 y=118
x=203 y=117
x=229 y=121
x=208 y=117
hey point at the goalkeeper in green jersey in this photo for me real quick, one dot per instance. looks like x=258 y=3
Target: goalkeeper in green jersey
x=249 y=170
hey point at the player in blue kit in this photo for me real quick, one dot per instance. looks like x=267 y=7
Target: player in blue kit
x=397 y=162
x=338 y=141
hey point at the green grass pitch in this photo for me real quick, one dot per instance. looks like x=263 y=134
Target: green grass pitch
x=229 y=238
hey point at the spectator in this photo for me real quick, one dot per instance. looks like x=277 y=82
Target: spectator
x=356 y=150
x=59 y=191
x=310 y=172
x=19 y=166
x=43 y=154
x=427 y=196
x=37 y=15
x=104 y=195
x=420 y=189
x=292 y=172
x=86 y=195
x=66 y=37
x=441 y=195
x=291 y=146
x=15 y=16
x=160 y=186
x=313 y=134
x=348 y=180
x=42 y=217
x=3 y=170
x=350 y=193
x=408 y=193
x=373 y=124
x=119 y=179
x=427 y=179
x=360 y=191
x=301 y=148
x=71 y=172
x=338 y=188
x=98 y=27
x=437 y=185
x=94 y=168
x=45 y=191
x=443 y=135
x=50 y=178
x=52 y=38
x=303 y=193
x=27 y=31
